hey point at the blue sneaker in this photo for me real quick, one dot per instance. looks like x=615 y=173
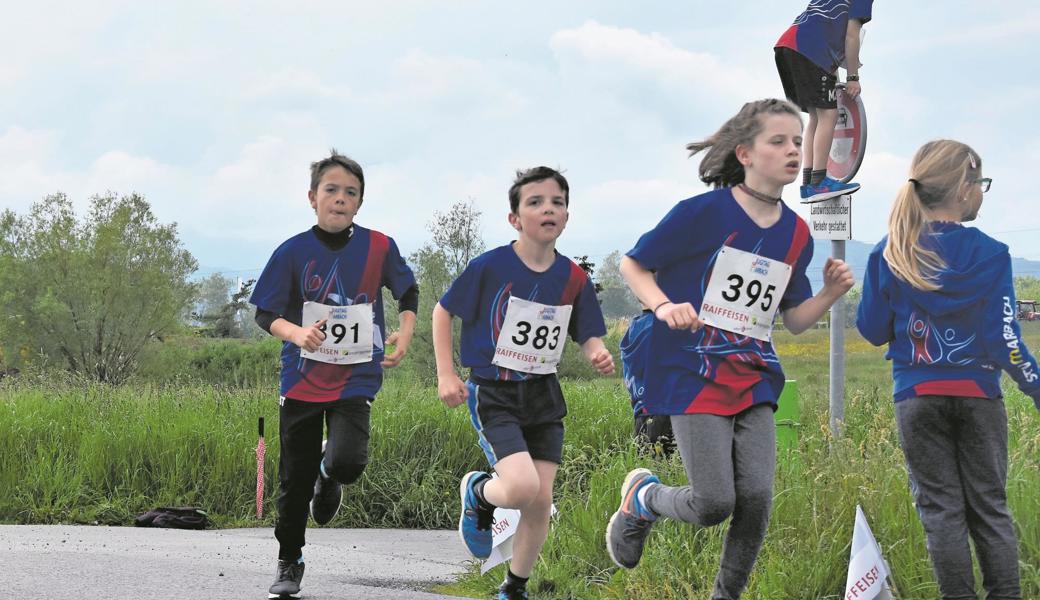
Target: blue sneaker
x=474 y=521
x=630 y=525
x=826 y=189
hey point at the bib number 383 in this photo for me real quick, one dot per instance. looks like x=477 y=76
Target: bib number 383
x=348 y=333
x=744 y=293
x=532 y=337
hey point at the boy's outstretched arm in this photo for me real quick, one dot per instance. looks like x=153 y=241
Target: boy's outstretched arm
x=837 y=279
x=450 y=388
x=596 y=351
x=400 y=339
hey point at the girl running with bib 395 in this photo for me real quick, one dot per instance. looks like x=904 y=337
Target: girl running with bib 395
x=726 y=262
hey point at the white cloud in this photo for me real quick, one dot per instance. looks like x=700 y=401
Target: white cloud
x=614 y=55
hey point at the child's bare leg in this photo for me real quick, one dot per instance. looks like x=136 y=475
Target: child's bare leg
x=807 y=140
x=517 y=483
x=534 y=522
x=823 y=135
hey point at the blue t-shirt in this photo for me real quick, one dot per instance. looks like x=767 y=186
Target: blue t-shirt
x=480 y=296
x=819 y=33
x=303 y=269
x=634 y=348
x=711 y=370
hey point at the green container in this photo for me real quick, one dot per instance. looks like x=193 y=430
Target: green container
x=788 y=417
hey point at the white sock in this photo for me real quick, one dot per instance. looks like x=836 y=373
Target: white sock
x=641 y=496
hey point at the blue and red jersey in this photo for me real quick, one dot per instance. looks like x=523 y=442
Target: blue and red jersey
x=480 y=297
x=303 y=269
x=819 y=33
x=953 y=341
x=710 y=370
x=634 y=349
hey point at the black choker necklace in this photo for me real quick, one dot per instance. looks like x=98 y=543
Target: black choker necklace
x=758 y=195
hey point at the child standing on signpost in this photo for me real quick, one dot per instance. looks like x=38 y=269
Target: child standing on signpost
x=941 y=296
x=518 y=303
x=726 y=262
x=808 y=54
x=320 y=294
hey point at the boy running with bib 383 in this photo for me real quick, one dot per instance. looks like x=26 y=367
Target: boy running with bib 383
x=517 y=304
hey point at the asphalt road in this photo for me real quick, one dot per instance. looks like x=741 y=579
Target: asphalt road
x=45 y=562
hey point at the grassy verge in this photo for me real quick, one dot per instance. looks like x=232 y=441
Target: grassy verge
x=78 y=452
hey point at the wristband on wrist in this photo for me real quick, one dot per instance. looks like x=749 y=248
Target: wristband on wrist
x=852 y=77
x=660 y=305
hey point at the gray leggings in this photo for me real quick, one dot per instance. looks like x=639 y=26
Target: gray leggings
x=730 y=463
x=956 y=450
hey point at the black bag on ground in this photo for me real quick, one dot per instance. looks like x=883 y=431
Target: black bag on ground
x=176 y=517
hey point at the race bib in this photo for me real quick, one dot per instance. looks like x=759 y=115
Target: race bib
x=532 y=337
x=744 y=293
x=348 y=333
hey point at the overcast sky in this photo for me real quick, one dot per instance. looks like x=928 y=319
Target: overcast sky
x=214 y=110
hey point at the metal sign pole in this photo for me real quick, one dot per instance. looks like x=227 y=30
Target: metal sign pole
x=837 y=352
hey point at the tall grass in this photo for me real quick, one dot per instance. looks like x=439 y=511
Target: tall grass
x=71 y=451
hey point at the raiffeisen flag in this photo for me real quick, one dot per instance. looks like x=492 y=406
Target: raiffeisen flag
x=867 y=569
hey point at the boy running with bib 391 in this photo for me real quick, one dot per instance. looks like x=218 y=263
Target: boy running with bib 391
x=517 y=303
x=321 y=294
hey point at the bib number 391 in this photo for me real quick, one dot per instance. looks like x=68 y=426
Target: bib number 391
x=532 y=337
x=744 y=293
x=348 y=333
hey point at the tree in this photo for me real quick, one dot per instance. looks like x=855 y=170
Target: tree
x=456 y=239
x=1027 y=287
x=221 y=317
x=590 y=269
x=456 y=234
x=214 y=291
x=90 y=294
x=616 y=299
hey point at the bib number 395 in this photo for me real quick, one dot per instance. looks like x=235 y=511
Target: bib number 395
x=744 y=293
x=751 y=289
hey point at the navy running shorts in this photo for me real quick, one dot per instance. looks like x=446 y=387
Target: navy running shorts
x=518 y=416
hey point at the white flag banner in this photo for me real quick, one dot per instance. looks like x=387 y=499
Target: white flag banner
x=502 y=532
x=867 y=568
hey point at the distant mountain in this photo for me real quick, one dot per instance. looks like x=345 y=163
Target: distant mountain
x=857 y=253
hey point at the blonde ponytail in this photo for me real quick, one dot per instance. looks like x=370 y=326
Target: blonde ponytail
x=938 y=171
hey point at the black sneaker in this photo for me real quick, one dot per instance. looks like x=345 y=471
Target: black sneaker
x=504 y=594
x=287 y=580
x=328 y=494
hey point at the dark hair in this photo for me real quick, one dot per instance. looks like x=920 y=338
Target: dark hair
x=720 y=167
x=523 y=177
x=335 y=159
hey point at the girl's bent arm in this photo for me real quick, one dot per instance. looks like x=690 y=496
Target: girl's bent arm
x=837 y=279
x=642 y=282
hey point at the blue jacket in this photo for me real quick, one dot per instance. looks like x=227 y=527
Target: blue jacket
x=953 y=341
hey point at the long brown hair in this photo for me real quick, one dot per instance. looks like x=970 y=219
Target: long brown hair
x=720 y=167
x=938 y=171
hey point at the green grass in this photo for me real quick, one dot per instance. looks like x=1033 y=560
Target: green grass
x=83 y=453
